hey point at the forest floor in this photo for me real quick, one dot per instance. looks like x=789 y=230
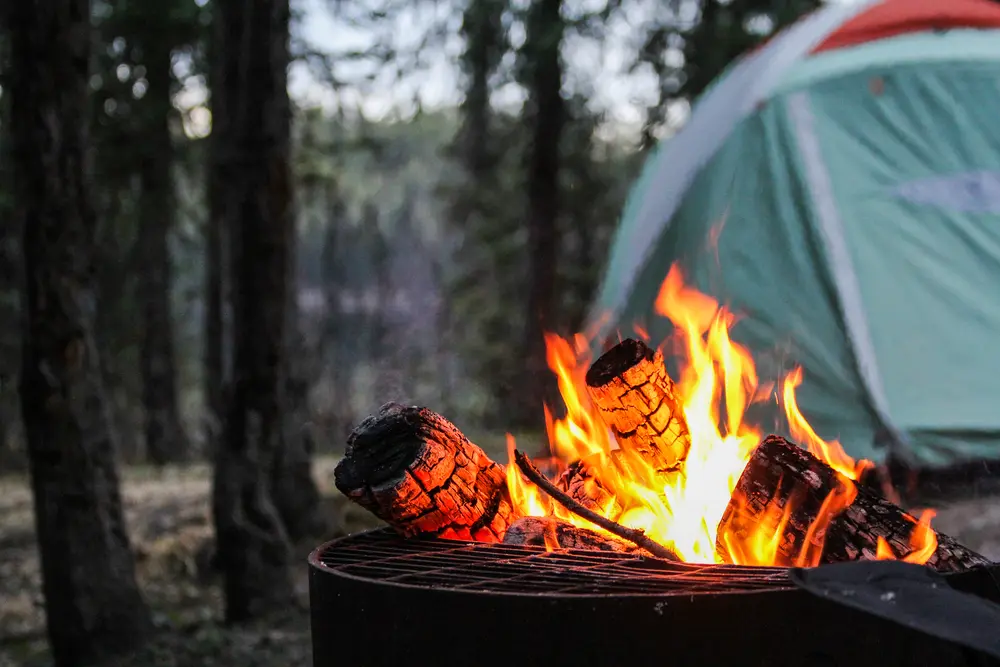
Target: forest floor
x=168 y=515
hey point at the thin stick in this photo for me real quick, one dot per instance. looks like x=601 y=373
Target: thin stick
x=636 y=537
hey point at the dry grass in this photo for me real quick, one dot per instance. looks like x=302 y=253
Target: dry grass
x=167 y=513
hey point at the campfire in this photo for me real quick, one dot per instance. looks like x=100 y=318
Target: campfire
x=643 y=463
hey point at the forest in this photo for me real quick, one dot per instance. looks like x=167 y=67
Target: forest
x=225 y=241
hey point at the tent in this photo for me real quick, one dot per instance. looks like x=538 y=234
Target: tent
x=839 y=189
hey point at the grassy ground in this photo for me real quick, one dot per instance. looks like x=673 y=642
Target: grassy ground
x=168 y=517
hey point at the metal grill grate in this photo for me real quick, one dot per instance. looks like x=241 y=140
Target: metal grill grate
x=499 y=568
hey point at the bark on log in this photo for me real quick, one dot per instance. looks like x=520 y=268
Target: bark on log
x=579 y=483
x=635 y=396
x=781 y=472
x=542 y=531
x=415 y=470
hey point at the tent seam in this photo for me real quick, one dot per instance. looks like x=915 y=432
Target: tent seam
x=845 y=278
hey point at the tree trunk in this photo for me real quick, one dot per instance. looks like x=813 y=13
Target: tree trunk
x=253 y=547
x=92 y=603
x=295 y=492
x=215 y=235
x=543 y=63
x=165 y=437
x=10 y=287
x=482 y=28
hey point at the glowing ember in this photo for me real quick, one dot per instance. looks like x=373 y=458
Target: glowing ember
x=682 y=509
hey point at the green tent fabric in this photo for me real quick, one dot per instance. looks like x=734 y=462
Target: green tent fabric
x=847 y=208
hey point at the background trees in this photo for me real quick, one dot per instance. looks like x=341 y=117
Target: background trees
x=212 y=270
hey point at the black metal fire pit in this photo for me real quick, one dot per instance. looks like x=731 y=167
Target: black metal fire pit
x=378 y=599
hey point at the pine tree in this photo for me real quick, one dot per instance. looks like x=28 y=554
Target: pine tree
x=541 y=72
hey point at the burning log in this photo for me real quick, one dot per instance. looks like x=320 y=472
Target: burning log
x=547 y=531
x=636 y=398
x=579 y=483
x=633 y=535
x=785 y=484
x=416 y=471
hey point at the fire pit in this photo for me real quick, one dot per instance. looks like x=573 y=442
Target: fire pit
x=381 y=599
x=667 y=531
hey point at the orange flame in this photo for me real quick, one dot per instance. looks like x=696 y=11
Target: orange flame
x=762 y=546
x=717 y=382
x=527 y=497
x=830 y=452
x=550 y=537
x=836 y=502
x=923 y=542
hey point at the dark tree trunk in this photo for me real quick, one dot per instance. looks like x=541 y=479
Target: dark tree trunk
x=10 y=284
x=165 y=437
x=483 y=31
x=543 y=63
x=295 y=492
x=253 y=546
x=473 y=209
x=215 y=243
x=214 y=379
x=92 y=603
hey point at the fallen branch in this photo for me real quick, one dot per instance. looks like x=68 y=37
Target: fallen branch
x=636 y=537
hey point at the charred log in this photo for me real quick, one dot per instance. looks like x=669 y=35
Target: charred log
x=631 y=388
x=579 y=483
x=783 y=482
x=416 y=471
x=547 y=531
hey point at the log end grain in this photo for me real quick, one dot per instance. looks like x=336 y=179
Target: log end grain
x=625 y=355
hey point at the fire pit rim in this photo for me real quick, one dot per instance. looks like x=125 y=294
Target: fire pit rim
x=317 y=566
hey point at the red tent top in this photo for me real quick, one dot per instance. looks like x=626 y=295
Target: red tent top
x=897 y=17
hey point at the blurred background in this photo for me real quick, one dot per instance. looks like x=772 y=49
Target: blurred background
x=450 y=177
